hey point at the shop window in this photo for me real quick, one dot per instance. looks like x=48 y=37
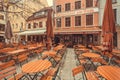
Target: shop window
x=89 y=19
x=89 y=3
x=115 y=14
x=115 y=39
x=77 y=4
x=29 y=38
x=58 y=22
x=58 y=8
x=67 y=7
x=114 y=1
x=77 y=20
x=67 y=22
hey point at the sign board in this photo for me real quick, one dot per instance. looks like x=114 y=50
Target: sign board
x=76 y=12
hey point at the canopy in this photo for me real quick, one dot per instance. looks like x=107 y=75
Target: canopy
x=35 y=32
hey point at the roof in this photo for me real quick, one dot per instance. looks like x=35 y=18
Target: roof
x=37 y=16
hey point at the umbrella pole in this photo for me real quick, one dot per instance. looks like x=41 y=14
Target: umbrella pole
x=49 y=43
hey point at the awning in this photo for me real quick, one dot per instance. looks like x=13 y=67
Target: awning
x=85 y=32
x=35 y=32
x=78 y=32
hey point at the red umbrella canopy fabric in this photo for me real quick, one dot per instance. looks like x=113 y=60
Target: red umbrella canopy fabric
x=49 y=24
x=8 y=30
x=107 y=42
x=49 y=29
x=108 y=18
x=108 y=26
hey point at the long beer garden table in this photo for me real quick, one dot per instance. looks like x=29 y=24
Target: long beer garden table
x=16 y=52
x=36 y=67
x=89 y=56
x=109 y=72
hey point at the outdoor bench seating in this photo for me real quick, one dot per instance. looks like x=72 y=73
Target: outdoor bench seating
x=51 y=73
x=91 y=75
x=7 y=70
x=77 y=70
x=22 y=58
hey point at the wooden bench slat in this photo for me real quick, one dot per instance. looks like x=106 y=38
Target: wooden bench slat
x=7 y=74
x=77 y=70
x=17 y=76
x=91 y=76
x=7 y=70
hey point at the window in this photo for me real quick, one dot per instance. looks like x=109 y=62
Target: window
x=77 y=4
x=89 y=3
x=35 y=25
x=67 y=7
x=89 y=19
x=29 y=26
x=40 y=24
x=58 y=22
x=2 y=27
x=115 y=14
x=16 y=25
x=58 y=8
x=1 y=5
x=2 y=17
x=114 y=1
x=77 y=20
x=21 y=26
x=13 y=26
x=67 y=22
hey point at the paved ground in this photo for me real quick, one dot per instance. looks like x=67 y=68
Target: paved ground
x=65 y=72
x=70 y=62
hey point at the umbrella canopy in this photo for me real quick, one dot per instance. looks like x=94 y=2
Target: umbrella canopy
x=8 y=30
x=49 y=28
x=108 y=26
x=49 y=24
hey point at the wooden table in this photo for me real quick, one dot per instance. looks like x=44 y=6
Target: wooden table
x=81 y=46
x=109 y=72
x=50 y=53
x=116 y=51
x=16 y=52
x=4 y=50
x=36 y=67
x=32 y=48
x=91 y=55
x=82 y=49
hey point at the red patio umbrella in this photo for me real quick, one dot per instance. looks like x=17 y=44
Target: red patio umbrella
x=49 y=29
x=8 y=30
x=108 y=26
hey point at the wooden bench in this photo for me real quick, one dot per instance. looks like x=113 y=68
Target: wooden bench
x=100 y=60
x=4 y=58
x=9 y=70
x=22 y=58
x=51 y=74
x=77 y=70
x=91 y=76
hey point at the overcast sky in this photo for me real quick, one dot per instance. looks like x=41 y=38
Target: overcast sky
x=50 y=2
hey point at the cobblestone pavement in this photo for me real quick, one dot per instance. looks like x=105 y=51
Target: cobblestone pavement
x=70 y=62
